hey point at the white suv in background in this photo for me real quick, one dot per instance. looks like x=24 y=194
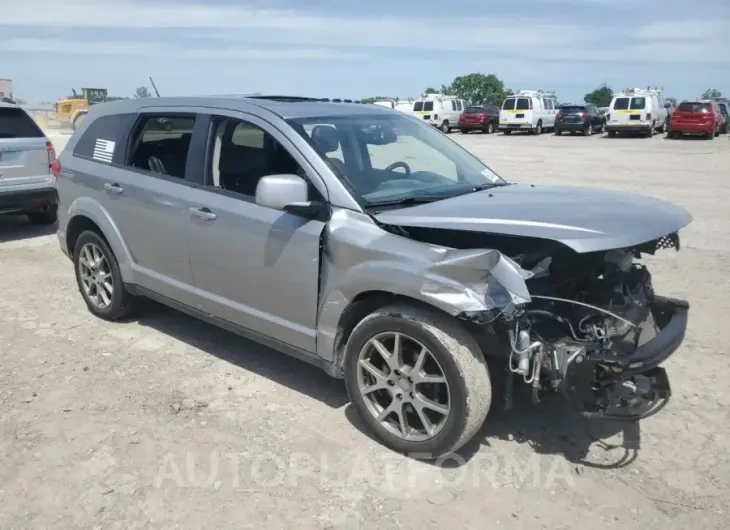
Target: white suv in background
x=528 y=110
x=440 y=111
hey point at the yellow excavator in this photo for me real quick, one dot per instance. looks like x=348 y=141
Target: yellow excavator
x=73 y=109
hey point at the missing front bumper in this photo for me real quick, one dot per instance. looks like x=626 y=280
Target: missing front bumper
x=633 y=387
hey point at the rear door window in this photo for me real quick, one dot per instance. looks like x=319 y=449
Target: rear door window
x=15 y=123
x=474 y=110
x=509 y=104
x=638 y=103
x=523 y=104
x=428 y=106
x=418 y=106
x=160 y=144
x=621 y=104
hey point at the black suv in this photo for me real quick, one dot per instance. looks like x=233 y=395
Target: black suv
x=585 y=119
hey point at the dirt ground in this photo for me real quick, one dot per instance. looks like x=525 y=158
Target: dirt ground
x=165 y=422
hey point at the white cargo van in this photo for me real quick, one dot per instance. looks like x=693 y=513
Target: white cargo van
x=440 y=111
x=528 y=110
x=637 y=111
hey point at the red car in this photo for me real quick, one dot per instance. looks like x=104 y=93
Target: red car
x=479 y=118
x=696 y=117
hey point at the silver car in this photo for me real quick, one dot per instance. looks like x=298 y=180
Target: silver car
x=366 y=242
x=27 y=157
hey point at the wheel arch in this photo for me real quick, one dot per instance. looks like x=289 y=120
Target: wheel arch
x=86 y=214
x=361 y=306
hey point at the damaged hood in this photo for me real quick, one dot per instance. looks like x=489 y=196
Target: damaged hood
x=584 y=219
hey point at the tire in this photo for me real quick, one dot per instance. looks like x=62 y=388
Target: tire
x=538 y=128
x=663 y=128
x=671 y=134
x=490 y=127
x=557 y=132
x=612 y=134
x=122 y=303
x=48 y=217
x=445 y=127
x=507 y=132
x=459 y=361
x=650 y=132
x=588 y=131
x=464 y=131
x=602 y=129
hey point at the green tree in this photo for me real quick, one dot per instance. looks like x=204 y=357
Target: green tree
x=478 y=89
x=600 y=97
x=368 y=100
x=430 y=90
x=711 y=93
x=142 y=92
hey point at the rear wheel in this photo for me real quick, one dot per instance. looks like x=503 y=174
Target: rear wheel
x=650 y=132
x=602 y=129
x=612 y=134
x=589 y=130
x=445 y=127
x=418 y=380
x=490 y=127
x=99 y=279
x=538 y=128
x=558 y=132
x=507 y=132
x=464 y=131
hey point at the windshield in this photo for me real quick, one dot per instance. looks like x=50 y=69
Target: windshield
x=383 y=159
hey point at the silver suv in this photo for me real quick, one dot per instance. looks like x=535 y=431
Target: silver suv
x=368 y=243
x=27 y=183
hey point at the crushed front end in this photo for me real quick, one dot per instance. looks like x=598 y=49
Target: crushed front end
x=595 y=331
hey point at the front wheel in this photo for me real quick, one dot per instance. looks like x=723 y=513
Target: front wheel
x=418 y=380
x=99 y=279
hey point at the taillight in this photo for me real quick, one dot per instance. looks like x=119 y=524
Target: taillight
x=648 y=115
x=51 y=152
x=530 y=105
x=482 y=117
x=435 y=116
x=56 y=168
x=584 y=115
x=558 y=116
x=608 y=116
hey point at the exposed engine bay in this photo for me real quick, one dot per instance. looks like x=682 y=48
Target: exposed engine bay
x=594 y=329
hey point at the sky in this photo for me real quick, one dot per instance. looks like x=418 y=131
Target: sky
x=329 y=48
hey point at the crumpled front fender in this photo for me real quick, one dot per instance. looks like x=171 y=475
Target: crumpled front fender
x=363 y=258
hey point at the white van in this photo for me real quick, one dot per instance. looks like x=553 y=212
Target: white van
x=528 y=110
x=637 y=110
x=440 y=111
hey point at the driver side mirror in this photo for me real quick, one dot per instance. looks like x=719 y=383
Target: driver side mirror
x=287 y=193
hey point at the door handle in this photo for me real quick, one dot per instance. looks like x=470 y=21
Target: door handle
x=203 y=213
x=113 y=188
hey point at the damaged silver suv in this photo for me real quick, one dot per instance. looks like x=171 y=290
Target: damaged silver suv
x=368 y=243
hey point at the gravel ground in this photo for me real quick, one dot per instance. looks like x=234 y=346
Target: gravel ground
x=167 y=422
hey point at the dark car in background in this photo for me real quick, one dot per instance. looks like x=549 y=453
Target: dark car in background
x=585 y=119
x=479 y=118
x=697 y=118
x=725 y=113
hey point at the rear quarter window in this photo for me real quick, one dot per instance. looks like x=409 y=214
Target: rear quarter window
x=16 y=123
x=112 y=128
x=428 y=105
x=621 y=104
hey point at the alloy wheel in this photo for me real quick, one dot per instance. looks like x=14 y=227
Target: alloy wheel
x=403 y=386
x=95 y=275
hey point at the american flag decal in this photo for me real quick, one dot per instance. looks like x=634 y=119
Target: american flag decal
x=103 y=151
